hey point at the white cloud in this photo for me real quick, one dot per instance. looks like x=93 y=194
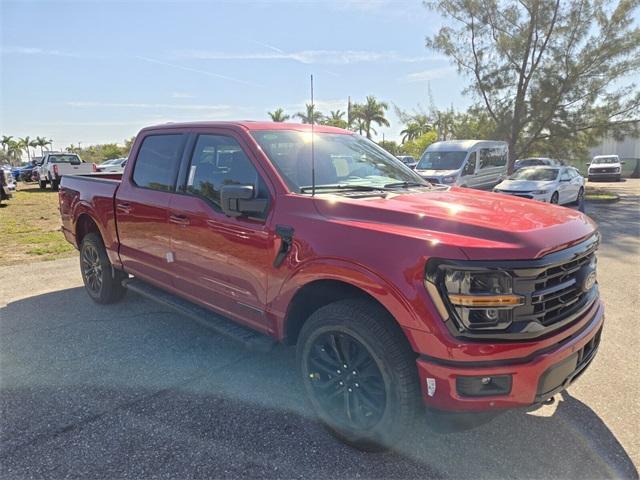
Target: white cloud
x=170 y=106
x=431 y=74
x=335 y=57
x=182 y=95
x=35 y=51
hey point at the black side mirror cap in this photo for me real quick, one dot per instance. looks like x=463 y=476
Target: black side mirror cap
x=238 y=200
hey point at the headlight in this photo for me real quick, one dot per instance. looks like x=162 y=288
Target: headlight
x=475 y=299
x=450 y=179
x=540 y=192
x=617 y=169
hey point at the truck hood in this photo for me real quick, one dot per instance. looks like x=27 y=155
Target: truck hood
x=483 y=225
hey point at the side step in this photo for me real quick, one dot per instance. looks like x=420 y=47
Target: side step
x=249 y=338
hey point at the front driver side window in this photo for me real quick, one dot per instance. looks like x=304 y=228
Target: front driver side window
x=219 y=160
x=470 y=166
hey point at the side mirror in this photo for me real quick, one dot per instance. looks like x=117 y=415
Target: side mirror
x=588 y=163
x=238 y=200
x=565 y=179
x=622 y=162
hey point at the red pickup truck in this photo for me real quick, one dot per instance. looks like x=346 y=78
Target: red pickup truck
x=399 y=294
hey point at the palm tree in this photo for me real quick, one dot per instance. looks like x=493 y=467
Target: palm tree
x=370 y=112
x=311 y=115
x=27 y=143
x=42 y=142
x=6 y=140
x=278 y=115
x=416 y=127
x=14 y=151
x=335 y=119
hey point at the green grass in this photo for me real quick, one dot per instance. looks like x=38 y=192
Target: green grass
x=30 y=228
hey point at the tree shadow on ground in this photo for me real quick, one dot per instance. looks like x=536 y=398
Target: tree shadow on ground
x=135 y=390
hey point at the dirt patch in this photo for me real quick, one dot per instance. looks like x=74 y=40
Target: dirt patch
x=30 y=228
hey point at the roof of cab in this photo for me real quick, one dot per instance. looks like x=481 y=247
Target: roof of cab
x=462 y=145
x=251 y=125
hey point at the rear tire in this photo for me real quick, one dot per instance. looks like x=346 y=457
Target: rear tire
x=102 y=282
x=359 y=374
x=579 y=197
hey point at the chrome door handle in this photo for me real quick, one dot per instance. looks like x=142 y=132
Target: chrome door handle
x=179 y=220
x=123 y=208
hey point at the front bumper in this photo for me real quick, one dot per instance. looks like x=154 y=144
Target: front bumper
x=604 y=174
x=533 y=379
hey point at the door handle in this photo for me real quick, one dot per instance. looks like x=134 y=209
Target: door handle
x=124 y=208
x=179 y=220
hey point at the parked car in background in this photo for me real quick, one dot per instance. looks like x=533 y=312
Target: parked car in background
x=115 y=165
x=535 y=162
x=55 y=165
x=559 y=185
x=468 y=163
x=605 y=167
x=225 y=222
x=408 y=160
x=25 y=173
x=7 y=183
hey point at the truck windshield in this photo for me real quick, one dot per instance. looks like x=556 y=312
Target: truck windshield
x=341 y=160
x=536 y=174
x=606 y=160
x=72 y=159
x=441 y=160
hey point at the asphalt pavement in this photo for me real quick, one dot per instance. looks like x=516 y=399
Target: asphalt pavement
x=133 y=390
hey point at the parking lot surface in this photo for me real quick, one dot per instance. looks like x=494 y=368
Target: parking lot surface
x=134 y=390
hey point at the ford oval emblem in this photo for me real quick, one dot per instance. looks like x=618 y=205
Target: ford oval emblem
x=589 y=282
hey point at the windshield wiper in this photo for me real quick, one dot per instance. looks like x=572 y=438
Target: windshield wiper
x=406 y=185
x=358 y=188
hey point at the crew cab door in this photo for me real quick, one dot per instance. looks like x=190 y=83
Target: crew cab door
x=141 y=205
x=221 y=262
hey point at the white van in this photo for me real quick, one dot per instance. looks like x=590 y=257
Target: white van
x=478 y=164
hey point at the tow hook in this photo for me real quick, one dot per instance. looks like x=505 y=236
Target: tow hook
x=285 y=232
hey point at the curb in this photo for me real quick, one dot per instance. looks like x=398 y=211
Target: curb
x=615 y=198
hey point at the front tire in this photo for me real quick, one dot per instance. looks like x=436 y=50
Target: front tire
x=102 y=282
x=42 y=184
x=359 y=373
x=555 y=198
x=54 y=185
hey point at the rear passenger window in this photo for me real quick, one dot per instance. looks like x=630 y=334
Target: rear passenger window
x=157 y=162
x=219 y=160
x=493 y=157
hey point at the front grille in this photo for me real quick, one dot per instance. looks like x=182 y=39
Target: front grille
x=515 y=193
x=559 y=290
x=604 y=170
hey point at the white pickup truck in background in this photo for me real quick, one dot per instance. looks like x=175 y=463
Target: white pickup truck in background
x=55 y=165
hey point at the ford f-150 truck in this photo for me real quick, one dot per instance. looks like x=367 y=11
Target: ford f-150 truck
x=54 y=165
x=399 y=294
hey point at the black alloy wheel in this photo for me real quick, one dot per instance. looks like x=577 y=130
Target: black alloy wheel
x=346 y=380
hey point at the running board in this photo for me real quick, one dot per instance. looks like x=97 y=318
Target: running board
x=247 y=337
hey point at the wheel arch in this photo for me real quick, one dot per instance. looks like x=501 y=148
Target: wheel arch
x=315 y=289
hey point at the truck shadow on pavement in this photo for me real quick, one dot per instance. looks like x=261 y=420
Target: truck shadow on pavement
x=134 y=390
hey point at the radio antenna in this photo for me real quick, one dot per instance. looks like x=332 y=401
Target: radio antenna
x=313 y=159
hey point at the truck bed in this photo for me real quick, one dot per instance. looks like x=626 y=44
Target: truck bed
x=93 y=194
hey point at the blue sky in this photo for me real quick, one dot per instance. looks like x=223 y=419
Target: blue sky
x=96 y=72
